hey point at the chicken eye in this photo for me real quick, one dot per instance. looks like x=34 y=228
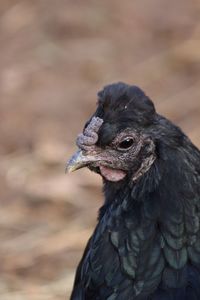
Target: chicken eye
x=125 y=144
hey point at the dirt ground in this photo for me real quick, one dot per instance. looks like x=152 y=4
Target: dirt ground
x=55 y=56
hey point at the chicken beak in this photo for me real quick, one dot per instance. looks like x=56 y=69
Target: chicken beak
x=78 y=161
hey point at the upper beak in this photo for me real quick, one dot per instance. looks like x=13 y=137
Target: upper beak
x=78 y=161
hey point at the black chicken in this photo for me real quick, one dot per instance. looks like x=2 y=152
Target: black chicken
x=147 y=241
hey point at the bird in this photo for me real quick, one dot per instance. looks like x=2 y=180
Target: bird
x=146 y=244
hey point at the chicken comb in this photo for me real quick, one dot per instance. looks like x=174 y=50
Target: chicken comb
x=89 y=137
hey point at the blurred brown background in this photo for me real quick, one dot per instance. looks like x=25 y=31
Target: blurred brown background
x=54 y=57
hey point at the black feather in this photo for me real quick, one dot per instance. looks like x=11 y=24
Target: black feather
x=146 y=245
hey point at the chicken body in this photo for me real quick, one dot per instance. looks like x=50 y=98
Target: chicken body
x=146 y=245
